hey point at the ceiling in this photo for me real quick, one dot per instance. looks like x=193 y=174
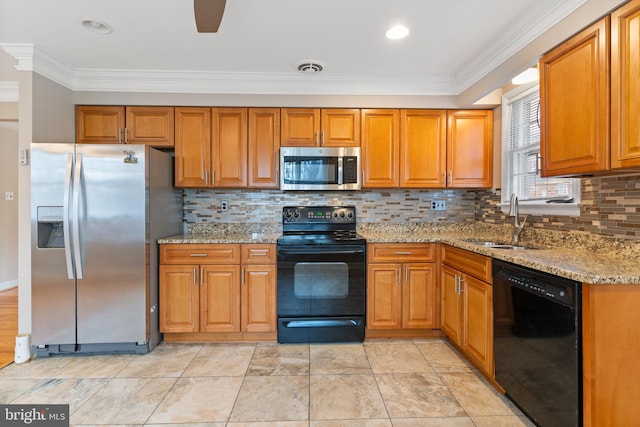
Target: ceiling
x=155 y=46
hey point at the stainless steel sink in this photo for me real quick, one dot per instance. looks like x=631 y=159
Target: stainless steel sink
x=496 y=245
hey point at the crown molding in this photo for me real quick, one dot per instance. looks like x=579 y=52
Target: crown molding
x=32 y=58
x=254 y=83
x=9 y=92
x=521 y=33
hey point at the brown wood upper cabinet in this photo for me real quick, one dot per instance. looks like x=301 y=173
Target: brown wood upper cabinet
x=193 y=147
x=574 y=104
x=227 y=147
x=582 y=132
x=380 y=148
x=153 y=126
x=469 y=148
x=625 y=90
x=427 y=148
x=314 y=127
x=423 y=148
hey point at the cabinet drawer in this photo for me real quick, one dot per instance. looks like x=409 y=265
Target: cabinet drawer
x=401 y=252
x=468 y=262
x=200 y=254
x=258 y=253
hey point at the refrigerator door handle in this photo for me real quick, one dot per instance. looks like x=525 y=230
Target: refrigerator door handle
x=77 y=253
x=65 y=217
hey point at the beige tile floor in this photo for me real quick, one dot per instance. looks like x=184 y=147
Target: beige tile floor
x=375 y=384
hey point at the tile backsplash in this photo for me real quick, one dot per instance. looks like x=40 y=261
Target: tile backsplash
x=265 y=206
x=610 y=206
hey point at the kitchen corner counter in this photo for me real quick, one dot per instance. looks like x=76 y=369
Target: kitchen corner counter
x=584 y=258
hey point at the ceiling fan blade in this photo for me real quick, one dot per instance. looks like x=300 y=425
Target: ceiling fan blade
x=208 y=14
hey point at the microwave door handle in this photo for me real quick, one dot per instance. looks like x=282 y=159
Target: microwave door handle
x=340 y=170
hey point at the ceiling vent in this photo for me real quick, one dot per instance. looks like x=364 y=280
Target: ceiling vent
x=310 y=66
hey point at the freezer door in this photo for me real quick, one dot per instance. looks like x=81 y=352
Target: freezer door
x=112 y=293
x=53 y=292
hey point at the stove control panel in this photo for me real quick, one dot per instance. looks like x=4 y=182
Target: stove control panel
x=319 y=214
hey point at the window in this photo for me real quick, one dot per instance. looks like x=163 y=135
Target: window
x=521 y=160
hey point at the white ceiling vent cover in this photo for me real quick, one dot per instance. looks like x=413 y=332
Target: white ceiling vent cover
x=310 y=66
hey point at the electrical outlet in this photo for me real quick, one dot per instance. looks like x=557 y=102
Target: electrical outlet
x=438 y=205
x=224 y=205
x=8 y=195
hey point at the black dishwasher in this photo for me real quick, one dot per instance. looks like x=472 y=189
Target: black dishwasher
x=537 y=343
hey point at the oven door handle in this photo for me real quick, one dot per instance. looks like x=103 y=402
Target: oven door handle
x=316 y=251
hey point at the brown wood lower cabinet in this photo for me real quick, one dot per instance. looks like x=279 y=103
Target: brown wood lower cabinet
x=401 y=289
x=217 y=288
x=467 y=309
x=610 y=349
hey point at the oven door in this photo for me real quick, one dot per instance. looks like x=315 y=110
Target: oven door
x=321 y=280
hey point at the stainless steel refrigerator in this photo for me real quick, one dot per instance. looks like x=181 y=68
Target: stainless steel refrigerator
x=96 y=213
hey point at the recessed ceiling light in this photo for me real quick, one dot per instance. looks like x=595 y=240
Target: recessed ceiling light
x=397 y=32
x=527 y=76
x=96 y=26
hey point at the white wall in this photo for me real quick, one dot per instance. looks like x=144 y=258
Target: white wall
x=8 y=209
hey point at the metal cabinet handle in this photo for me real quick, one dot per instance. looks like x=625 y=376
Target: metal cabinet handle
x=195 y=275
x=198 y=254
x=322 y=138
x=404 y=252
x=201 y=276
x=242 y=279
x=315 y=137
x=406 y=274
x=126 y=135
x=119 y=135
x=450 y=177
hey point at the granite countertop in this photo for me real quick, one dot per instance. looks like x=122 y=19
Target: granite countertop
x=225 y=237
x=581 y=257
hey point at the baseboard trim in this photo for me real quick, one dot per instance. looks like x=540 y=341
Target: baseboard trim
x=4 y=286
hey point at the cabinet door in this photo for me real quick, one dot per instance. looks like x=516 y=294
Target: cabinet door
x=229 y=142
x=384 y=296
x=300 y=127
x=423 y=148
x=99 y=124
x=380 y=148
x=340 y=127
x=193 y=146
x=477 y=337
x=418 y=296
x=625 y=86
x=264 y=146
x=470 y=148
x=574 y=104
x=451 y=313
x=179 y=296
x=220 y=298
x=258 y=296
x=153 y=126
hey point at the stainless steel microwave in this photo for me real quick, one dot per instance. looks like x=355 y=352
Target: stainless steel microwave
x=320 y=168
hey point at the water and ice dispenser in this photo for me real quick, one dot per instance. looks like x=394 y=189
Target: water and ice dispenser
x=50 y=227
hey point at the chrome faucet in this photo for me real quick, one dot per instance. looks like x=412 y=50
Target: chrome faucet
x=517 y=226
